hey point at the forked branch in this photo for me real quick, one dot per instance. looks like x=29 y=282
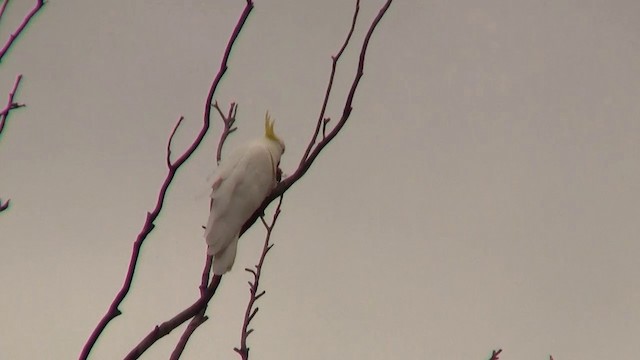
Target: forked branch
x=251 y=311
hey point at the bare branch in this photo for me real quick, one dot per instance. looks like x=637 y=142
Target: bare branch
x=334 y=65
x=4 y=113
x=228 y=128
x=251 y=312
x=494 y=354
x=4 y=205
x=173 y=133
x=4 y=6
x=165 y=328
x=23 y=24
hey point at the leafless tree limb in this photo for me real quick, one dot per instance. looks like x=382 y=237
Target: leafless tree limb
x=21 y=27
x=4 y=115
x=334 y=65
x=165 y=328
x=250 y=312
x=11 y=105
x=228 y=128
x=494 y=354
x=148 y=226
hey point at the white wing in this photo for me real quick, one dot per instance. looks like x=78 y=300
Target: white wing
x=240 y=187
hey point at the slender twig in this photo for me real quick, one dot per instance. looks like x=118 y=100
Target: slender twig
x=334 y=66
x=166 y=327
x=21 y=27
x=4 y=205
x=4 y=6
x=494 y=354
x=228 y=128
x=251 y=312
x=4 y=113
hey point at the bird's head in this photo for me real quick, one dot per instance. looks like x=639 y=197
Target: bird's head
x=270 y=134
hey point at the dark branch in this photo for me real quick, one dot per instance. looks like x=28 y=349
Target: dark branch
x=21 y=27
x=334 y=65
x=11 y=105
x=494 y=354
x=4 y=205
x=166 y=327
x=4 y=116
x=251 y=312
x=228 y=128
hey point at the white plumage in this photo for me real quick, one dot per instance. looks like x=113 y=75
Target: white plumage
x=243 y=181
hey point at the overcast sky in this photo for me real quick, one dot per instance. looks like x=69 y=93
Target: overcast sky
x=484 y=194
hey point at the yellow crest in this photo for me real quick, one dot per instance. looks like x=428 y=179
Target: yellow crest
x=268 y=128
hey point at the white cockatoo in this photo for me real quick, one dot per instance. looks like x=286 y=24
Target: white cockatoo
x=243 y=180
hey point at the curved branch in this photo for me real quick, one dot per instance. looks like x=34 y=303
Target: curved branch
x=250 y=312
x=165 y=328
x=494 y=354
x=21 y=27
x=334 y=65
x=4 y=115
x=148 y=226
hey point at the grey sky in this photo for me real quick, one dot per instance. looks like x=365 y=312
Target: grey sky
x=483 y=195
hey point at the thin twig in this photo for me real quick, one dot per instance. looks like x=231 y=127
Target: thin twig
x=334 y=65
x=4 y=6
x=23 y=24
x=166 y=327
x=494 y=354
x=250 y=312
x=228 y=128
x=4 y=205
x=4 y=113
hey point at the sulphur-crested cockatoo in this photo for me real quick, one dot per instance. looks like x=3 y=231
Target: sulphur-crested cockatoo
x=243 y=180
